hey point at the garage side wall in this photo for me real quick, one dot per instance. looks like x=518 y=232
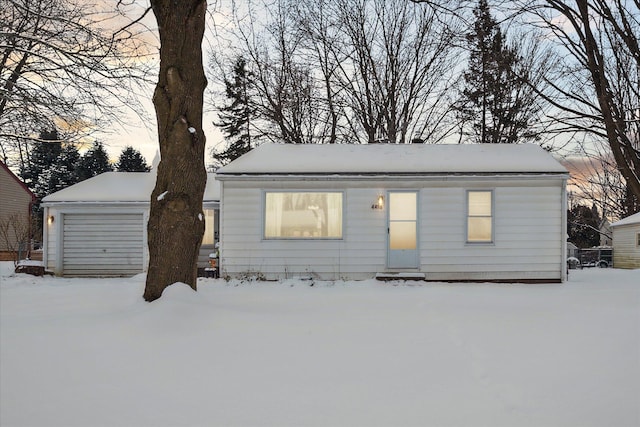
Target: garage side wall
x=626 y=252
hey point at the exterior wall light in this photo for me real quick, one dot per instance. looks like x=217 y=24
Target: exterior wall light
x=379 y=204
x=50 y=219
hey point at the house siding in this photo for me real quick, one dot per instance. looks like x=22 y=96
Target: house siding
x=528 y=226
x=626 y=253
x=15 y=202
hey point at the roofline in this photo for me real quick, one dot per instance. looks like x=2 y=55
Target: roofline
x=337 y=176
x=100 y=203
x=22 y=184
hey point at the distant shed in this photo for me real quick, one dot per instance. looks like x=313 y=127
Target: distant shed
x=626 y=242
x=98 y=227
x=490 y=212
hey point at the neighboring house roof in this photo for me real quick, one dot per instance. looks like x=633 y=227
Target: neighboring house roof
x=121 y=187
x=633 y=219
x=17 y=180
x=394 y=159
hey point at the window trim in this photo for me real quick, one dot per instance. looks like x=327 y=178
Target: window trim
x=263 y=215
x=493 y=217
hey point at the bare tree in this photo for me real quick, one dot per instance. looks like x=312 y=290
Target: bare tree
x=598 y=89
x=176 y=220
x=62 y=65
x=595 y=178
x=14 y=235
x=350 y=70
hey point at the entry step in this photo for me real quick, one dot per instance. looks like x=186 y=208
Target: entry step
x=400 y=276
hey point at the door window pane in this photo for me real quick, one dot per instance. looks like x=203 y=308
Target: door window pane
x=402 y=206
x=402 y=235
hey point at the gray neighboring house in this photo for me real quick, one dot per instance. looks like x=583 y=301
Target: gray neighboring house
x=490 y=212
x=626 y=242
x=98 y=227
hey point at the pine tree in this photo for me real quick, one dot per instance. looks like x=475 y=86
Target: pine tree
x=235 y=118
x=582 y=227
x=495 y=99
x=131 y=160
x=43 y=156
x=94 y=162
x=60 y=175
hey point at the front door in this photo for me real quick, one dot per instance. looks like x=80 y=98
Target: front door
x=403 y=229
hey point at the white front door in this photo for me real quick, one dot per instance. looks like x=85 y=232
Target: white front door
x=403 y=229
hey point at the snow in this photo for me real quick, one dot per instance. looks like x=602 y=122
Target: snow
x=632 y=219
x=121 y=187
x=91 y=352
x=393 y=159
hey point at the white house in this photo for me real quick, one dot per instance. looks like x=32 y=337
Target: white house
x=626 y=242
x=492 y=212
x=98 y=227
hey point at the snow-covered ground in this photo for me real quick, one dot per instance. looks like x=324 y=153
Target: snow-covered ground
x=90 y=352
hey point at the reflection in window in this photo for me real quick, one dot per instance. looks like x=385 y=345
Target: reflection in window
x=312 y=215
x=479 y=216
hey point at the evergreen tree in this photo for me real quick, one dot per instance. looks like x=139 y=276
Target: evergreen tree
x=61 y=174
x=131 y=160
x=496 y=100
x=94 y=162
x=43 y=156
x=235 y=118
x=582 y=227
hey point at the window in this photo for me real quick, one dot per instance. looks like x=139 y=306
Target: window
x=638 y=239
x=311 y=215
x=208 y=238
x=479 y=216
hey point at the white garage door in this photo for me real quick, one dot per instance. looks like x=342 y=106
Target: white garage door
x=103 y=244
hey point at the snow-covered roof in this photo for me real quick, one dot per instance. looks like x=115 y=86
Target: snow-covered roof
x=369 y=159
x=121 y=187
x=632 y=219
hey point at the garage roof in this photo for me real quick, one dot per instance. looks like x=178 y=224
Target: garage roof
x=121 y=187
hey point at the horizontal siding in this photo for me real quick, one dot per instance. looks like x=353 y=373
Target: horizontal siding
x=15 y=202
x=626 y=253
x=108 y=244
x=528 y=234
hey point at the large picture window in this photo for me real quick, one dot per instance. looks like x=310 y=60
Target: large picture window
x=479 y=216
x=308 y=215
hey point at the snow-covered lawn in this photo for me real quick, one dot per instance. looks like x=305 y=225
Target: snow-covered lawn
x=90 y=352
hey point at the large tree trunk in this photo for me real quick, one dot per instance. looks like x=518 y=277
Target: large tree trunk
x=176 y=222
x=621 y=146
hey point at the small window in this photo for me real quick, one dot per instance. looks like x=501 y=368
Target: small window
x=479 y=216
x=310 y=215
x=638 y=239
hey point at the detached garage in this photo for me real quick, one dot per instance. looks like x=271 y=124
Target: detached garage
x=626 y=242
x=99 y=226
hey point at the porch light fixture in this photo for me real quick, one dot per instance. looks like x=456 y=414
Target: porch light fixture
x=50 y=219
x=379 y=204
